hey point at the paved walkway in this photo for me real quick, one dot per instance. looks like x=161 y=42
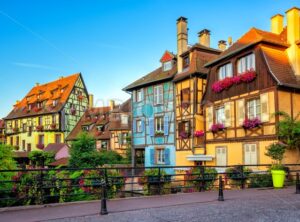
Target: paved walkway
x=239 y=205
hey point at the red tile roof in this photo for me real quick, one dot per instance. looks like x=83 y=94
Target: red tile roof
x=115 y=122
x=60 y=162
x=59 y=89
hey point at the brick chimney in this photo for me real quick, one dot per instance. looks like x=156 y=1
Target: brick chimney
x=277 y=24
x=293 y=38
x=182 y=41
x=204 y=37
x=111 y=104
x=91 y=100
x=222 y=45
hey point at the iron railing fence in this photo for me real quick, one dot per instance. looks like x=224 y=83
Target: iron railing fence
x=43 y=186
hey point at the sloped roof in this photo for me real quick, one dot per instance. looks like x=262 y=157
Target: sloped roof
x=92 y=118
x=154 y=76
x=252 y=37
x=60 y=162
x=124 y=107
x=59 y=90
x=54 y=147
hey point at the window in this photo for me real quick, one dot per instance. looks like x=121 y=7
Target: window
x=253 y=108
x=40 y=120
x=225 y=71
x=54 y=102
x=124 y=138
x=186 y=61
x=24 y=127
x=11 y=141
x=39 y=105
x=221 y=156
x=23 y=145
x=41 y=139
x=160 y=156
x=250 y=154
x=16 y=124
x=246 y=63
x=29 y=130
x=54 y=118
x=104 y=144
x=124 y=119
x=17 y=141
x=28 y=147
x=100 y=128
x=184 y=129
x=158 y=94
x=57 y=138
x=185 y=97
x=85 y=128
x=139 y=95
x=167 y=66
x=159 y=124
x=29 y=106
x=220 y=115
x=139 y=126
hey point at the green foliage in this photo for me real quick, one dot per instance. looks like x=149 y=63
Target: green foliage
x=278 y=167
x=155 y=178
x=236 y=176
x=276 y=152
x=108 y=157
x=128 y=149
x=197 y=178
x=260 y=180
x=289 y=130
x=41 y=158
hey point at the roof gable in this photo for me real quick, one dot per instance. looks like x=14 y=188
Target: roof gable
x=167 y=56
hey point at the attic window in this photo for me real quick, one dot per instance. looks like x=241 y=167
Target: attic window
x=186 y=61
x=29 y=106
x=54 y=102
x=167 y=66
x=100 y=128
x=85 y=128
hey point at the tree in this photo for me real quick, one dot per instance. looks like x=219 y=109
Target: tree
x=41 y=158
x=128 y=149
x=289 y=130
x=83 y=153
x=276 y=152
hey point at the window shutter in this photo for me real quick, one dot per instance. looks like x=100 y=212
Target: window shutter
x=240 y=111
x=227 y=107
x=209 y=117
x=155 y=95
x=161 y=94
x=120 y=138
x=167 y=156
x=134 y=96
x=264 y=106
x=134 y=125
x=142 y=125
x=247 y=154
x=166 y=125
x=152 y=156
x=151 y=126
x=142 y=94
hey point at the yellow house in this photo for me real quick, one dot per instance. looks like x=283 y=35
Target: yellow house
x=190 y=82
x=47 y=114
x=254 y=78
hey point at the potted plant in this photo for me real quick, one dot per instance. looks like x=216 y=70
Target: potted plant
x=159 y=133
x=217 y=127
x=276 y=152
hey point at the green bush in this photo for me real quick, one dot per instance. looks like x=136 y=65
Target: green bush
x=41 y=158
x=155 y=178
x=236 y=176
x=260 y=180
x=196 y=178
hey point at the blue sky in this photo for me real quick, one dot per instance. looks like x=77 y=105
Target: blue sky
x=112 y=43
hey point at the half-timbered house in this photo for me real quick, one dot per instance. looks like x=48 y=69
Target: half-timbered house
x=254 y=78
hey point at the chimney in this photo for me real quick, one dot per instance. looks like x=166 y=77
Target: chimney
x=91 y=100
x=229 y=40
x=293 y=38
x=111 y=104
x=222 y=45
x=182 y=41
x=277 y=24
x=204 y=37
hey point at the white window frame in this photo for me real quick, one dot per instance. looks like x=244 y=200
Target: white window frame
x=160 y=156
x=246 y=63
x=254 y=104
x=158 y=93
x=250 y=146
x=225 y=71
x=138 y=125
x=124 y=119
x=159 y=123
x=220 y=115
x=124 y=138
x=139 y=95
x=167 y=66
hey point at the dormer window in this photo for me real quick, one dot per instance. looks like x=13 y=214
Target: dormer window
x=100 y=128
x=55 y=102
x=246 y=63
x=29 y=106
x=39 y=105
x=167 y=66
x=124 y=119
x=85 y=128
x=225 y=71
x=186 y=61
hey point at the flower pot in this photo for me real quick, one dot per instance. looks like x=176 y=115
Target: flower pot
x=278 y=178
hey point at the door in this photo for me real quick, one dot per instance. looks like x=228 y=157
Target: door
x=250 y=154
x=221 y=158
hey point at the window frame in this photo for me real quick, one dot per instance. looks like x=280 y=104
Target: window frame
x=139 y=95
x=217 y=115
x=167 y=66
x=224 y=69
x=244 y=152
x=257 y=110
x=158 y=94
x=138 y=125
x=240 y=69
x=160 y=156
x=162 y=126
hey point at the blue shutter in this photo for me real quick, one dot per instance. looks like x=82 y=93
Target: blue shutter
x=167 y=156
x=151 y=126
x=143 y=125
x=134 y=126
x=152 y=156
x=166 y=125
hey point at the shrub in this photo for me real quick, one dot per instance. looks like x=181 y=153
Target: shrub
x=152 y=181
x=196 y=178
x=260 y=180
x=235 y=174
x=41 y=158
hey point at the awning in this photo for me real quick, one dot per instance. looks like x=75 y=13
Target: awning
x=199 y=157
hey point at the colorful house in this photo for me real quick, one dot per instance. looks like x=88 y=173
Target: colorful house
x=190 y=82
x=153 y=121
x=255 y=77
x=47 y=114
x=120 y=127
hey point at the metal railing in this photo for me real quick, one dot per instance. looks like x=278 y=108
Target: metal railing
x=44 y=186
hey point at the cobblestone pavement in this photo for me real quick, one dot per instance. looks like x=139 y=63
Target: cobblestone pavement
x=240 y=205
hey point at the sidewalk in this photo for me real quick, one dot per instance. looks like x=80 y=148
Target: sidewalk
x=69 y=211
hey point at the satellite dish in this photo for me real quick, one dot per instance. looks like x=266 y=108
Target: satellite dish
x=147 y=110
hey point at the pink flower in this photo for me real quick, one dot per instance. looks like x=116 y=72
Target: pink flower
x=217 y=127
x=199 y=133
x=217 y=87
x=248 y=76
x=251 y=123
x=236 y=79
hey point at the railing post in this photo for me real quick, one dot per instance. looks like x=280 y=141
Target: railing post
x=104 y=194
x=201 y=170
x=221 y=196
x=40 y=195
x=243 y=177
x=297 y=184
x=159 y=181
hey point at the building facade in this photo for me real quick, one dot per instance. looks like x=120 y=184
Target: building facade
x=250 y=81
x=47 y=114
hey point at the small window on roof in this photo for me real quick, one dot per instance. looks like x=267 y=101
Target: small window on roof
x=85 y=128
x=167 y=66
x=225 y=71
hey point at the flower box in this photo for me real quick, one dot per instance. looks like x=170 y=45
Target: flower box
x=199 y=133
x=40 y=146
x=251 y=123
x=39 y=128
x=183 y=135
x=217 y=127
x=53 y=126
x=159 y=133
